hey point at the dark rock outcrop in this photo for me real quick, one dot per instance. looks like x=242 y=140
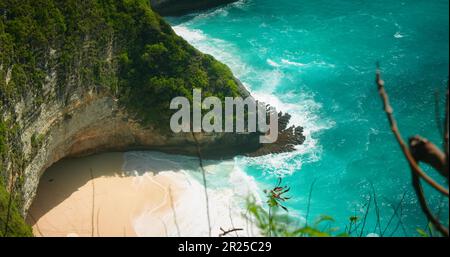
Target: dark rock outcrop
x=288 y=138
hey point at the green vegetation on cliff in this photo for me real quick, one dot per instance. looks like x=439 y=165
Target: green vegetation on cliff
x=51 y=50
x=88 y=41
x=16 y=225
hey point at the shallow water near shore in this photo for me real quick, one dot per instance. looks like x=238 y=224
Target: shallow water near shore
x=138 y=194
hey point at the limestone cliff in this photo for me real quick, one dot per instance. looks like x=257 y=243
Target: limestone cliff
x=80 y=77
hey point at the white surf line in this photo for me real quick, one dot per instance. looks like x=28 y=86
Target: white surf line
x=165 y=160
x=164 y=201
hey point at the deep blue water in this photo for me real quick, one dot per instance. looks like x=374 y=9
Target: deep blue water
x=316 y=59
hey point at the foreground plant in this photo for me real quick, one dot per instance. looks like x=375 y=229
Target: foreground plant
x=273 y=223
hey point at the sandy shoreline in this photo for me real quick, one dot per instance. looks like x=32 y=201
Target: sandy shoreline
x=100 y=196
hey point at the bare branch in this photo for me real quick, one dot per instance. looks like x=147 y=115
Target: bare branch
x=395 y=213
x=98 y=227
x=93 y=203
x=424 y=205
x=309 y=201
x=412 y=162
x=425 y=151
x=377 y=210
x=200 y=161
x=231 y=218
x=174 y=212
x=226 y=232
x=365 y=216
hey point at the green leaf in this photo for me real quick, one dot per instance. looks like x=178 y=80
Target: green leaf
x=422 y=233
x=323 y=218
x=354 y=219
x=313 y=232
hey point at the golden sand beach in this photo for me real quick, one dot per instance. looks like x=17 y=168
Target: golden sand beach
x=94 y=196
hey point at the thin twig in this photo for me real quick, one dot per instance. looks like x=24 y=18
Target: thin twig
x=425 y=208
x=395 y=212
x=416 y=171
x=393 y=123
x=396 y=228
x=200 y=160
x=399 y=222
x=246 y=216
x=174 y=213
x=352 y=221
x=231 y=219
x=309 y=201
x=438 y=214
x=165 y=228
x=93 y=203
x=377 y=210
x=98 y=216
x=365 y=216
x=226 y=232
x=270 y=221
x=441 y=203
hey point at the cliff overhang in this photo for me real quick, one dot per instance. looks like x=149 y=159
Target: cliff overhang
x=94 y=78
x=96 y=123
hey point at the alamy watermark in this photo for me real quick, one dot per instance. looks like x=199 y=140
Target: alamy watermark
x=254 y=112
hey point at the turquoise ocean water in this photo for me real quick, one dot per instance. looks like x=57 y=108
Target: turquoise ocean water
x=316 y=60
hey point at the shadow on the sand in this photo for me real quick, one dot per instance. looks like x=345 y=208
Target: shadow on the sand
x=67 y=176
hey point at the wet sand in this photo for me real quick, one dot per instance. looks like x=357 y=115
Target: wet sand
x=93 y=196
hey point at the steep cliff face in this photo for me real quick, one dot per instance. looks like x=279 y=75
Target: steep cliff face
x=80 y=77
x=97 y=123
x=180 y=7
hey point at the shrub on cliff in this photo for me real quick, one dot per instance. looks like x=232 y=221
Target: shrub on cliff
x=16 y=225
x=121 y=46
x=50 y=49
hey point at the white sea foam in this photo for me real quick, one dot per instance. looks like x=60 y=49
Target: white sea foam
x=398 y=35
x=228 y=189
x=219 y=11
x=313 y=64
x=298 y=64
x=228 y=183
x=273 y=63
x=303 y=109
x=241 y=4
x=213 y=47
